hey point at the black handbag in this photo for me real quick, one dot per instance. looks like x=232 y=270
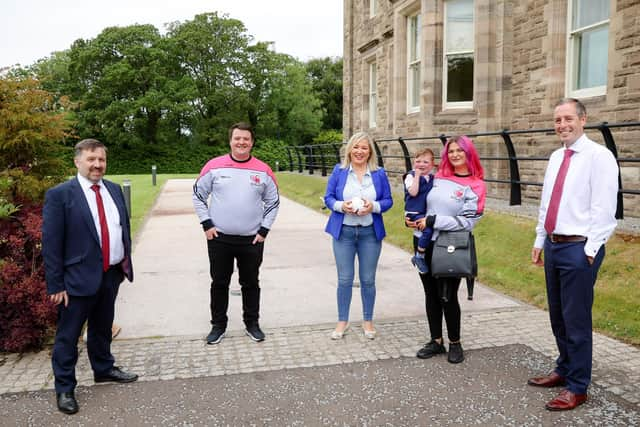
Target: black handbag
x=454 y=255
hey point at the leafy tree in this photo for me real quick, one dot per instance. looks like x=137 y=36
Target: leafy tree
x=326 y=77
x=260 y=77
x=32 y=124
x=119 y=79
x=280 y=102
x=138 y=89
x=292 y=112
x=212 y=54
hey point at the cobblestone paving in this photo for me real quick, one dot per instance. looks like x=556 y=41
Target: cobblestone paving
x=616 y=365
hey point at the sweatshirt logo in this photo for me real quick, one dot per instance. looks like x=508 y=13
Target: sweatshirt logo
x=255 y=179
x=458 y=195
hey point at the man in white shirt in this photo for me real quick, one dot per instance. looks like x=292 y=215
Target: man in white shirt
x=576 y=218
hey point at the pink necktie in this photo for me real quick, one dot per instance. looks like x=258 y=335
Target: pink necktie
x=104 y=229
x=556 y=194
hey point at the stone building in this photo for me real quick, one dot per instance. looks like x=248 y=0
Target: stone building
x=421 y=68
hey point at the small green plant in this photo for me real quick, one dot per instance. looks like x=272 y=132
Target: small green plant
x=7 y=209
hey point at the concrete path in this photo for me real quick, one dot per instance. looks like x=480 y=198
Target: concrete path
x=293 y=377
x=298 y=276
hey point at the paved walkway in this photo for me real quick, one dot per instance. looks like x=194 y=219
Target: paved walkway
x=165 y=316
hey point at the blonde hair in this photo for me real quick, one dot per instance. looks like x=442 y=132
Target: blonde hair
x=425 y=152
x=372 y=162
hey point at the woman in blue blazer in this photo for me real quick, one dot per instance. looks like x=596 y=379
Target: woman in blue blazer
x=358 y=192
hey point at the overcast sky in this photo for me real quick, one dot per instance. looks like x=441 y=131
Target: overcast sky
x=33 y=29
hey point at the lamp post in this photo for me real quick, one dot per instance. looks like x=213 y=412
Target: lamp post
x=126 y=189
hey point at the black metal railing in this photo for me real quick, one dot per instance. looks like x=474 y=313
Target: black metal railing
x=314 y=157
x=323 y=156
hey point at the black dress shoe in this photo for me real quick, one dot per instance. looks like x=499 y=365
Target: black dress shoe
x=116 y=375
x=67 y=403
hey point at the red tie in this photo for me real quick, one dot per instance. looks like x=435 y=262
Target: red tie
x=104 y=229
x=556 y=194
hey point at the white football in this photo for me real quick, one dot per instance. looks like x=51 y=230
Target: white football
x=357 y=203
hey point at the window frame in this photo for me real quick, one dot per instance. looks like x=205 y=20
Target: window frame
x=573 y=55
x=373 y=94
x=414 y=63
x=446 y=105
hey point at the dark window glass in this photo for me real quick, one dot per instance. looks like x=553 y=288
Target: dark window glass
x=459 y=78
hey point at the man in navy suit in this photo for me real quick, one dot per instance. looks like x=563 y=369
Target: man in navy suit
x=86 y=246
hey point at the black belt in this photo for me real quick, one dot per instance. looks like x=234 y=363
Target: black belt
x=559 y=238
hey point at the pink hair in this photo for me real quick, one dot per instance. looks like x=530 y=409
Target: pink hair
x=473 y=160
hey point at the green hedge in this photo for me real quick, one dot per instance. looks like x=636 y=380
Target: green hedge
x=181 y=158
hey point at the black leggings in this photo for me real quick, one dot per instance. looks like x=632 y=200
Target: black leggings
x=441 y=299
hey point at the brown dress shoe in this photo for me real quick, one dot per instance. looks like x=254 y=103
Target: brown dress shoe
x=566 y=400
x=551 y=380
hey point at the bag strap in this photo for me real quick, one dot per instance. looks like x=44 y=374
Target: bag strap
x=462 y=225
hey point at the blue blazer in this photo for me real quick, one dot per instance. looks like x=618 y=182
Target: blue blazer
x=70 y=243
x=335 y=189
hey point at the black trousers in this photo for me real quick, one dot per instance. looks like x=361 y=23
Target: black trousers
x=223 y=251
x=441 y=300
x=97 y=310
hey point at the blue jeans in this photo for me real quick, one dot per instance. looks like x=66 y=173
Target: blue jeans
x=363 y=242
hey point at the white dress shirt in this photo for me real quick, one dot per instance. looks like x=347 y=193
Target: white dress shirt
x=116 y=246
x=589 y=197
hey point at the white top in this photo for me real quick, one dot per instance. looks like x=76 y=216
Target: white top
x=589 y=196
x=356 y=191
x=116 y=246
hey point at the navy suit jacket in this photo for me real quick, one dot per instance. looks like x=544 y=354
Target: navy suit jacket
x=70 y=242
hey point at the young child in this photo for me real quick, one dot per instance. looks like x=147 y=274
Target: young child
x=417 y=183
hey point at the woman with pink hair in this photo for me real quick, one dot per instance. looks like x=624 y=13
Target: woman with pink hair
x=456 y=202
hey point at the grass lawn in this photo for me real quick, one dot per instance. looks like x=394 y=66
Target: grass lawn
x=504 y=247
x=143 y=194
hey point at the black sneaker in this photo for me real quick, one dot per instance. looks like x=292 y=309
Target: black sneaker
x=216 y=335
x=255 y=333
x=456 y=355
x=430 y=349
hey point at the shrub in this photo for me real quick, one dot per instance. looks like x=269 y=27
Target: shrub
x=328 y=136
x=27 y=317
x=271 y=151
x=186 y=157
